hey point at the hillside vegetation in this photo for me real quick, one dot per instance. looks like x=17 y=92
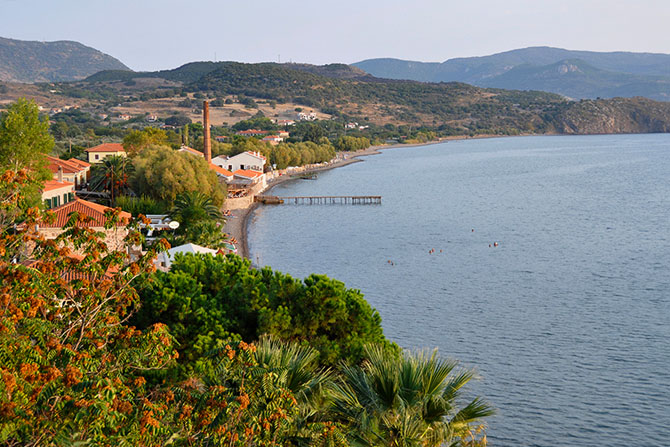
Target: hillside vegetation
x=449 y=108
x=26 y=61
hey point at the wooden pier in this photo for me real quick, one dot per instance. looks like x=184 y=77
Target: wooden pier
x=321 y=200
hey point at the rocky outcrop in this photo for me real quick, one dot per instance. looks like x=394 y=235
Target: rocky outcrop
x=618 y=115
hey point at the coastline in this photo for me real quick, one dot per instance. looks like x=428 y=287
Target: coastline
x=238 y=227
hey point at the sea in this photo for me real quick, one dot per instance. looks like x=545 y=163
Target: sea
x=541 y=262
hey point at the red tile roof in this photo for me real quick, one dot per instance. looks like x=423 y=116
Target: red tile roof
x=107 y=147
x=247 y=173
x=71 y=166
x=50 y=185
x=86 y=208
x=220 y=170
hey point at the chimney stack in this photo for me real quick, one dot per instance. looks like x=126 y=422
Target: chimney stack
x=59 y=177
x=206 y=137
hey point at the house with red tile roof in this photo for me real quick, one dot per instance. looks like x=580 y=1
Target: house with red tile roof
x=247 y=178
x=57 y=193
x=114 y=237
x=273 y=139
x=224 y=173
x=100 y=152
x=72 y=170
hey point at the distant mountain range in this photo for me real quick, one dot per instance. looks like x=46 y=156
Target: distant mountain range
x=26 y=61
x=575 y=74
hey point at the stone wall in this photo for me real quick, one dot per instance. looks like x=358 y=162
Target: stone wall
x=114 y=237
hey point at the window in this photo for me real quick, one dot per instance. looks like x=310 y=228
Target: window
x=47 y=203
x=97 y=157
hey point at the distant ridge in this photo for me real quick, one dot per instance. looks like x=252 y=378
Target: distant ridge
x=575 y=74
x=31 y=61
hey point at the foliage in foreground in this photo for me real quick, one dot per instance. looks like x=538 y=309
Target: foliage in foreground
x=206 y=300
x=71 y=369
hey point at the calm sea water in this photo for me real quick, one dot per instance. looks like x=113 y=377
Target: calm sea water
x=567 y=321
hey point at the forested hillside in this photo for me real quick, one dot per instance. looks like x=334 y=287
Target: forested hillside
x=25 y=61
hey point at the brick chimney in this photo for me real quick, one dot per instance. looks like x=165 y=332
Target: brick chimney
x=207 y=141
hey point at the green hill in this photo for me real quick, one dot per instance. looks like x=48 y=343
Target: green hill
x=26 y=61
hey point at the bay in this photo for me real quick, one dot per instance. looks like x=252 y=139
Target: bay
x=567 y=320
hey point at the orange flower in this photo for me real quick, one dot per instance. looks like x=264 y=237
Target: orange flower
x=72 y=375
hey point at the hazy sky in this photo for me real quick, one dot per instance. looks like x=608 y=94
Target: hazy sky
x=153 y=34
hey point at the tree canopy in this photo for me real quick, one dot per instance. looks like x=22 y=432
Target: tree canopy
x=206 y=300
x=24 y=142
x=137 y=140
x=163 y=173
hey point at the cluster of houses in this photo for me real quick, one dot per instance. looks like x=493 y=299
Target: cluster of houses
x=240 y=172
x=59 y=196
x=273 y=139
x=243 y=173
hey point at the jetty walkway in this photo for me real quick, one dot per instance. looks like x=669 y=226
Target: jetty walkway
x=320 y=200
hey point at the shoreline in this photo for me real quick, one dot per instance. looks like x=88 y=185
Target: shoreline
x=238 y=227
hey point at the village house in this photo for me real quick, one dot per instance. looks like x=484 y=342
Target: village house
x=98 y=153
x=124 y=117
x=246 y=178
x=254 y=161
x=224 y=174
x=273 y=139
x=57 y=193
x=113 y=237
x=284 y=122
x=151 y=118
x=303 y=116
x=72 y=170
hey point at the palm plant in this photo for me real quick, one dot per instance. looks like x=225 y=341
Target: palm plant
x=194 y=206
x=270 y=393
x=112 y=174
x=409 y=400
x=200 y=220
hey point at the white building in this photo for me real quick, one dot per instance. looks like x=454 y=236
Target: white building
x=165 y=259
x=311 y=116
x=253 y=161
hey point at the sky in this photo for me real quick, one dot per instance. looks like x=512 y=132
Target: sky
x=161 y=34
